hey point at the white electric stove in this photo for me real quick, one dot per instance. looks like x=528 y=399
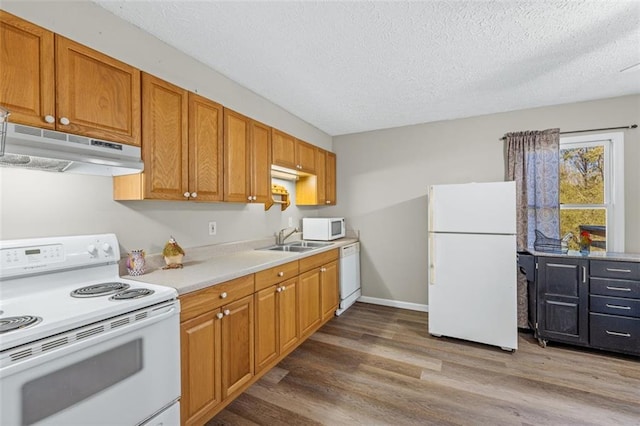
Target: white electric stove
x=77 y=340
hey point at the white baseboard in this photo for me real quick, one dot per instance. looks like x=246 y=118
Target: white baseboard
x=394 y=303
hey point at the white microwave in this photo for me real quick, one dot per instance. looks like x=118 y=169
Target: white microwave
x=323 y=228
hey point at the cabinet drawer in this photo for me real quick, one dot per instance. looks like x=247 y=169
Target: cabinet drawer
x=318 y=260
x=276 y=274
x=615 y=288
x=201 y=301
x=612 y=332
x=611 y=269
x=615 y=306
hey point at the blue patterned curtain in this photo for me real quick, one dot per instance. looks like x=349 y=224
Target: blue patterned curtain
x=533 y=159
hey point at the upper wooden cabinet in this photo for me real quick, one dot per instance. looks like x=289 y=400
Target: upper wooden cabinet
x=96 y=95
x=283 y=149
x=306 y=157
x=71 y=88
x=165 y=149
x=27 y=86
x=247 y=159
x=182 y=147
x=318 y=189
x=293 y=153
x=330 y=179
x=205 y=149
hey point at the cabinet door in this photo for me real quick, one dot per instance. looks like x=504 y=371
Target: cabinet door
x=27 y=87
x=267 y=332
x=237 y=184
x=329 y=285
x=321 y=176
x=260 y=162
x=165 y=142
x=563 y=299
x=330 y=179
x=288 y=314
x=205 y=149
x=237 y=345
x=201 y=367
x=309 y=312
x=306 y=157
x=99 y=95
x=283 y=150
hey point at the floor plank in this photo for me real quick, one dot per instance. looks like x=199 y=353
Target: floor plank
x=377 y=365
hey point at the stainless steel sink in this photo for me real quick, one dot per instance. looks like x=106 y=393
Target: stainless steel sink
x=287 y=247
x=314 y=244
x=298 y=246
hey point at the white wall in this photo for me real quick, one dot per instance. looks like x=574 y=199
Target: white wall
x=37 y=203
x=383 y=178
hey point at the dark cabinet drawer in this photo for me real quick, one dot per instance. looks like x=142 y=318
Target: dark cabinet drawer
x=615 y=333
x=615 y=306
x=615 y=288
x=613 y=269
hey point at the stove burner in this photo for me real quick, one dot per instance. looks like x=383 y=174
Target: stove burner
x=134 y=293
x=97 y=290
x=15 y=323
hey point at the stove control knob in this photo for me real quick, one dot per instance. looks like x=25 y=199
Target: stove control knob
x=91 y=249
x=106 y=247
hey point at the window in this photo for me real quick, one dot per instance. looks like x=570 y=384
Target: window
x=592 y=189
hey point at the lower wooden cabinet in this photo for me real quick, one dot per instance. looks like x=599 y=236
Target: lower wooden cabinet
x=217 y=347
x=232 y=333
x=276 y=325
x=329 y=289
x=200 y=344
x=237 y=345
x=310 y=313
x=318 y=290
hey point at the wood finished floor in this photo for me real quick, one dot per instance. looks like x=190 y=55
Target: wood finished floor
x=376 y=365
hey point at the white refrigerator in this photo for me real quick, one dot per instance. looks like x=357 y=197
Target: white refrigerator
x=472 y=263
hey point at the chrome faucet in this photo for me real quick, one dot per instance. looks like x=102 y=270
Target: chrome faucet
x=282 y=236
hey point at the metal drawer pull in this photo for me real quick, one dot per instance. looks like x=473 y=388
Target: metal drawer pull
x=615 y=333
x=618 y=307
x=618 y=288
x=561 y=265
x=626 y=271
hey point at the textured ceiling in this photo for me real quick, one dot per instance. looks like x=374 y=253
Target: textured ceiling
x=348 y=67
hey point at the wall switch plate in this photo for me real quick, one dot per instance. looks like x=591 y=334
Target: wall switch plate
x=290 y=221
x=213 y=228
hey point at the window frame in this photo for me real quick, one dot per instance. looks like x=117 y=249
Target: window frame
x=613 y=182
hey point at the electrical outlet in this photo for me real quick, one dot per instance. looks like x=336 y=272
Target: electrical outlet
x=290 y=221
x=213 y=228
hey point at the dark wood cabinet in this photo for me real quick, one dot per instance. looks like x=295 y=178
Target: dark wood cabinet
x=563 y=298
x=614 y=306
x=588 y=302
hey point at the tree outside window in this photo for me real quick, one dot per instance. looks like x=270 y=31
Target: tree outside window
x=590 y=191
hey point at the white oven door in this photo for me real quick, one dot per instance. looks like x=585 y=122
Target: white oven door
x=122 y=376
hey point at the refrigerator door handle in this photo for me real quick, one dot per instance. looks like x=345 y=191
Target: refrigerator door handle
x=432 y=260
x=430 y=226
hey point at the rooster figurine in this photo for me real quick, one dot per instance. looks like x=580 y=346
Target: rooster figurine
x=173 y=254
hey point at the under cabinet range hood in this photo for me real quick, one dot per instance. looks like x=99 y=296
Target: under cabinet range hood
x=41 y=149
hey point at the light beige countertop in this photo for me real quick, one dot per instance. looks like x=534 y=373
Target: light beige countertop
x=210 y=265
